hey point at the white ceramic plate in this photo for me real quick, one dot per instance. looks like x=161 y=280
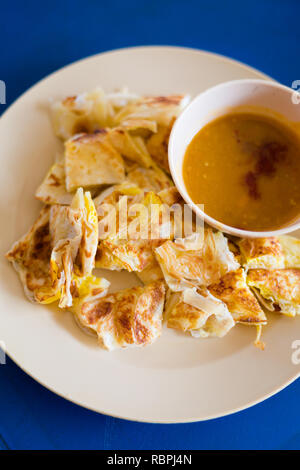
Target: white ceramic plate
x=179 y=378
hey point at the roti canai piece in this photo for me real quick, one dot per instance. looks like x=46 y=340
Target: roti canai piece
x=204 y=264
x=90 y=160
x=199 y=313
x=151 y=274
x=263 y=253
x=130 y=146
x=88 y=112
x=158 y=143
x=106 y=260
x=66 y=232
x=270 y=253
x=131 y=245
x=108 y=206
x=161 y=109
x=145 y=232
x=85 y=260
x=90 y=288
x=291 y=250
x=58 y=251
x=149 y=179
x=30 y=257
x=280 y=288
x=140 y=127
x=74 y=238
x=131 y=317
x=170 y=196
x=82 y=113
x=53 y=189
x=233 y=290
x=234 y=248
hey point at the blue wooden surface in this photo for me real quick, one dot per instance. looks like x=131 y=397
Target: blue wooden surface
x=39 y=37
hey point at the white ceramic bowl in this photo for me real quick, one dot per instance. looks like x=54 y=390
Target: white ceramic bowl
x=270 y=97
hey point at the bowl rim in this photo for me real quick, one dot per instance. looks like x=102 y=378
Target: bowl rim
x=181 y=187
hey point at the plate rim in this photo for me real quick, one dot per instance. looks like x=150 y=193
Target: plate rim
x=219 y=57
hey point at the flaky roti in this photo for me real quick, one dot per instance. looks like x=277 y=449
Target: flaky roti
x=161 y=109
x=279 y=286
x=233 y=290
x=130 y=146
x=291 y=251
x=85 y=112
x=183 y=267
x=157 y=145
x=201 y=314
x=151 y=273
x=132 y=317
x=263 y=253
x=74 y=238
x=149 y=179
x=30 y=257
x=133 y=250
x=90 y=160
x=53 y=188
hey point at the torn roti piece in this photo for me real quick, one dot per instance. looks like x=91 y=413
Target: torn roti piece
x=107 y=206
x=233 y=247
x=149 y=179
x=151 y=273
x=85 y=260
x=88 y=289
x=263 y=253
x=106 y=260
x=233 y=290
x=130 y=146
x=280 y=287
x=66 y=232
x=170 y=196
x=74 y=237
x=131 y=317
x=291 y=251
x=158 y=143
x=270 y=253
x=30 y=257
x=161 y=109
x=90 y=160
x=201 y=314
x=139 y=127
x=183 y=267
x=86 y=112
x=53 y=189
x=60 y=246
x=147 y=227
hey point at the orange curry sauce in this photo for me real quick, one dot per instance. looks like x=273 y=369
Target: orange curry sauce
x=245 y=169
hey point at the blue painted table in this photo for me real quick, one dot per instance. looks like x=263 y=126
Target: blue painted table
x=39 y=37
